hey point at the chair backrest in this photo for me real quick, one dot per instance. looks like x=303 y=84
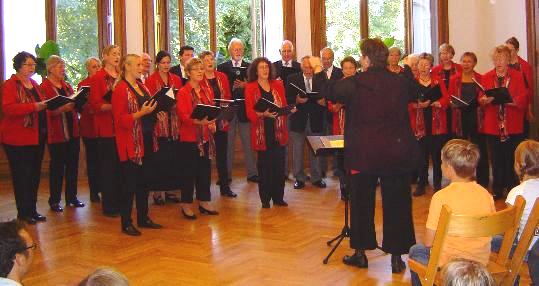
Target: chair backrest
x=504 y=222
x=523 y=245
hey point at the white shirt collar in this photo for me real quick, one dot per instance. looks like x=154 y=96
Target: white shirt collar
x=329 y=71
x=239 y=63
x=8 y=282
x=182 y=68
x=287 y=64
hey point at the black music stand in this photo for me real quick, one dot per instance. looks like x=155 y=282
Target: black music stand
x=321 y=146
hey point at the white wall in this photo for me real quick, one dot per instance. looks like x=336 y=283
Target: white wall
x=133 y=22
x=479 y=26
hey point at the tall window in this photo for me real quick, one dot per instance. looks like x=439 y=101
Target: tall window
x=197 y=28
x=29 y=31
x=174 y=29
x=386 y=20
x=272 y=20
x=76 y=18
x=342 y=28
x=422 y=39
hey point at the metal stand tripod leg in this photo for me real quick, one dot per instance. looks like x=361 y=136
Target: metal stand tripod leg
x=344 y=233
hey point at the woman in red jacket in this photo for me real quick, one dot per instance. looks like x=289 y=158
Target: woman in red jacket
x=468 y=120
x=349 y=67
x=269 y=134
x=197 y=144
x=109 y=165
x=24 y=133
x=519 y=64
x=218 y=83
x=88 y=134
x=504 y=123
x=429 y=122
x=63 y=138
x=134 y=126
x=162 y=166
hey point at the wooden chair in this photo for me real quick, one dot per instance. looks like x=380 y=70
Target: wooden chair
x=504 y=222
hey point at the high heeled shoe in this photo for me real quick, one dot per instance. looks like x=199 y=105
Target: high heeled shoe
x=358 y=259
x=75 y=203
x=397 y=265
x=190 y=217
x=206 y=211
x=56 y=208
x=158 y=200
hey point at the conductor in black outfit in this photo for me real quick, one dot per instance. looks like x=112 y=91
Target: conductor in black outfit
x=379 y=145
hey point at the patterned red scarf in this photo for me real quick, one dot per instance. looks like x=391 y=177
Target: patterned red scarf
x=25 y=96
x=340 y=116
x=167 y=126
x=203 y=131
x=502 y=120
x=279 y=121
x=138 y=140
x=221 y=124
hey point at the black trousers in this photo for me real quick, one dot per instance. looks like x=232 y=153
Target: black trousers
x=197 y=173
x=92 y=164
x=25 y=166
x=431 y=147
x=221 y=147
x=133 y=187
x=503 y=158
x=64 y=163
x=110 y=179
x=270 y=167
x=398 y=227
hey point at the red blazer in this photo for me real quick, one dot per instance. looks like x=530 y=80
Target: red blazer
x=185 y=108
x=526 y=71
x=438 y=71
x=13 y=130
x=55 y=126
x=337 y=122
x=514 y=115
x=124 y=123
x=224 y=87
x=252 y=93
x=442 y=114
x=87 y=123
x=455 y=86
x=100 y=84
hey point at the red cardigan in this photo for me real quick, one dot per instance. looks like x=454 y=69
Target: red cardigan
x=87 y=123
x=455 y=89
x=438 y=71
x=185 y=108
x=514 y=115
x=55 y=126
x=224 y=87
x=124 y=123
x=526 y=71
x=13 y=131
x=442 y=114
x=98 y=88
x=252 y=91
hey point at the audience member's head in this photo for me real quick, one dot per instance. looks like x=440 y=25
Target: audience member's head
x=527 y=160
x=374 y=52
x=236 y=49
x=447 y=52
x=464 y=272
x=186 y=53
x=105 y=276
x=287 y=51
x=349 y=66
x=327 y=56
x=459 y=159
x=16 y=250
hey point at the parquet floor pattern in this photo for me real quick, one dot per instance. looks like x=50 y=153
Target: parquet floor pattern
x=244 y=245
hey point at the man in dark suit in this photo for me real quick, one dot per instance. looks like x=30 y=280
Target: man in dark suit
x=329 y=73
x=307 y=121
x=284 y=68
x=379 y=146
x=186 y=53
x=236 y=70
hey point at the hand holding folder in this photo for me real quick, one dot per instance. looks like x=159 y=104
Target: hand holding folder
x=500 y=94
x=202 y=111
x=165 y=98
x=57 y=102
x=263 y=105
x=304 y=94
x=433 y=94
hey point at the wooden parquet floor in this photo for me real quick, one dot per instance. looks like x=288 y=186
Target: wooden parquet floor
x=244 y=245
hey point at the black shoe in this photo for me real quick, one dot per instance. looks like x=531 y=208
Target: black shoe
x=266 y=205
x=358 y=259
x=253 y=179
x=171 y=198
x=112 y=214
x=56 y=208
x=397 y=265
x=28 y=220
x=206 y=211
x=131 y=230
x=191 y=217
x=321 y=184
x=226 y=192
x=419 y=191
x=75 y=203
x=94 y=198
x=299 y=185
x=39 y=217
x=280 y=203
x=324 y=175
x=149 y=224
x=158 y=200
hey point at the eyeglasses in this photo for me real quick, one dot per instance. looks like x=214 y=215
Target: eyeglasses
x=33 y=246
x=29 y=65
